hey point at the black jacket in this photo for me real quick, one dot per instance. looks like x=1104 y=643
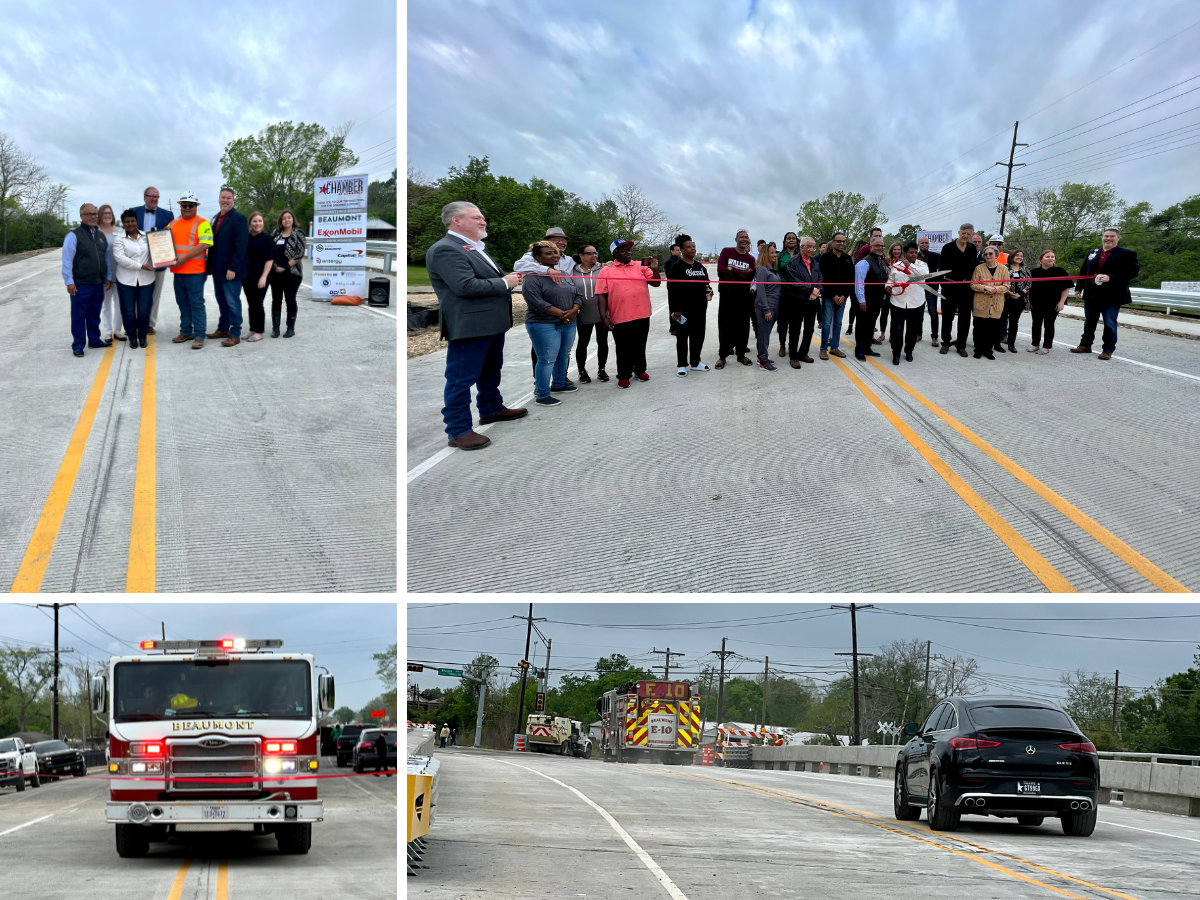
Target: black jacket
x=961 y=264
x=800 y=280
x=229 y=246
x=839 y=275
x=1121 y=267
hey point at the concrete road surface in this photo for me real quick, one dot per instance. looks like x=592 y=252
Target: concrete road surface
x=55 y=845
x=524 y=825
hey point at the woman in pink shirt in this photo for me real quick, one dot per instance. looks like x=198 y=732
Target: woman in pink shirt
x=624 y=299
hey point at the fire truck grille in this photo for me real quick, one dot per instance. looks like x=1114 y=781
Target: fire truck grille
x=215 y=768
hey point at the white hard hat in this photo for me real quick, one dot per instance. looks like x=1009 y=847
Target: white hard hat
x=189 y=197
x=996 y=239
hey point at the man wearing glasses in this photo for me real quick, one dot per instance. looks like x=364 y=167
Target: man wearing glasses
x=151 y=217
x=193 y=237
x=87 y=273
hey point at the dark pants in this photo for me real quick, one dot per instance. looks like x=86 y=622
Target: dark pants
x=783 y=324
x=1091 y=315
x=283 y=287
x=987 y=335
x=906 y=328
x=733 y=320
x=864 y=327
x=473 y=361
x=931 y=302
x=584 y=332
x=689 y=336
x=763 y=333
x=852 y=315
x=962 y=308
x=135 y=308
x=630 y=338
x=1007 y=331
x=254 y=304
x=229 y=304
x=85 y=316
x=1043 y=314
x=802 y=323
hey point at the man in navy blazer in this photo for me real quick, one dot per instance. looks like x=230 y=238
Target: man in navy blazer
x=228 y=264
x=1104 y=285
x=152 y=217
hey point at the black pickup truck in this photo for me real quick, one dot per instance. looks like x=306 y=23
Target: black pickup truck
x=345 y=744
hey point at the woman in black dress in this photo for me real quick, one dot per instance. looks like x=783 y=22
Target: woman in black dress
x=260 y=253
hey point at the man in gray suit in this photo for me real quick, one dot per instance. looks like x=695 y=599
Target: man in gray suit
x=475 y=300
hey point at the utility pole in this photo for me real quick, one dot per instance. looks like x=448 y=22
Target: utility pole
x=1010 y=165
x=766 y=678
x=529 y=620
x=1116 y=688
x=722 y=653
x=925 y=701
x=54 y=690
x=546 y=671
x=667 y=663
x=854 y=607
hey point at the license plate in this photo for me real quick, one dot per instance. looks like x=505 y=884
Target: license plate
x=1029 y=787
x=214 y=812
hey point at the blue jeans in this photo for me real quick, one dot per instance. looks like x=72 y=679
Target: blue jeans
x=229 y=302
x=1091 y=315
x=135 y=308
x=472 y=361
x=85 y=316
x=831 y=323
x=552 y=342
x=189 y=294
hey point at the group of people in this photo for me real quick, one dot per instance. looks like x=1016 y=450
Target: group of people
x=572 y=297
x=115 y=289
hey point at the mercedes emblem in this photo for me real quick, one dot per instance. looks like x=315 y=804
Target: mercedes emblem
x=1031 y=749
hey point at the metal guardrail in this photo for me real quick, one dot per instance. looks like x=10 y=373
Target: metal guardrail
x=1149 y=757
x=1185 y=300
x=386 y=249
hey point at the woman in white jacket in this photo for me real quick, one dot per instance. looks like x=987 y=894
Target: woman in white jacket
x=135 y=278
x=908 y=301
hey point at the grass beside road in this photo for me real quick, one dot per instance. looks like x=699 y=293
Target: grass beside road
x=418 y=275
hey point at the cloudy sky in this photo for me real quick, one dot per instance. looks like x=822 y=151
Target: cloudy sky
x=112 y=97
x=1020 y=648
x=340 y=636
x=732 y=113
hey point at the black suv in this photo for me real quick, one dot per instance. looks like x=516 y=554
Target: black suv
x=56 y=758
x=1008 y=757
x=345 y=744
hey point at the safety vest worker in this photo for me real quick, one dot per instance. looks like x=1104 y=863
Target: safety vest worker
x=193 y=237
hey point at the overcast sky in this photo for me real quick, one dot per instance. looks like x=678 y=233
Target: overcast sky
x=112 y=97
x=802 y=638
x=732 y=113
x=341 y=636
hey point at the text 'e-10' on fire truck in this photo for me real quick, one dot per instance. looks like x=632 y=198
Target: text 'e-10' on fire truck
x=655 y=720
x=212 y=735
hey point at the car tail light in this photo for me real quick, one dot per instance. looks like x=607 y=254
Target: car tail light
x=364 y=746
x=280 y=747
x=147 y=748
x=962 y=743
x=1080 y=747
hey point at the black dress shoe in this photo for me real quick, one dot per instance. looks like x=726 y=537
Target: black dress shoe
x=77 y=352
x=999 y=349
x=142 y=342
x=908 y=357
x=871 y=352
x=945 y=348
x=895 y=359
x=962 y=351
x=119 y=337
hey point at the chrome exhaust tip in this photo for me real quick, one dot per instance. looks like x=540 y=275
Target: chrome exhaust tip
x=1085 y=805
x=969 y=801
x=1074 y=804
x=981 y=801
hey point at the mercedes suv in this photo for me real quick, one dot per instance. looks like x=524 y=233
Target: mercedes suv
x=1008 y=757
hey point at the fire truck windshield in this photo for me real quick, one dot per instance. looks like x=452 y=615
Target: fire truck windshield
x=206 y=688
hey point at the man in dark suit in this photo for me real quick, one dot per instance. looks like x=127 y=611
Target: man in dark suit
x=475 y=302
x=228 y=265
x=152 y=217
x=1108 y=269
x=933 y=259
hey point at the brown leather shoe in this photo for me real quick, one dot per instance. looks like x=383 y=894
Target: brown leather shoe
x=806 y=359
x=470 y=441
x=782 y=350
x=838 y=353
x=197 y=344
x=180 y=338
x=824 y=354
x=231 y=342
x=149 y=330
x=218 y=334
x=1106 y=355
x=1081 y=349
x=504 y=415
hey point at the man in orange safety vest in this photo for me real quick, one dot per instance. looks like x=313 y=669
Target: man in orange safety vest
x=193 y=237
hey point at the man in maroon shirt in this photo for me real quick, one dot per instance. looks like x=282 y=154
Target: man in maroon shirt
x=866 y=248
x=735 y=271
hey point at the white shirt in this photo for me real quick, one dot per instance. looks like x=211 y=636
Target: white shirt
x=913 y=295
x=128 y=256
x=478 y=245
x=527 y=265
x=148 y=219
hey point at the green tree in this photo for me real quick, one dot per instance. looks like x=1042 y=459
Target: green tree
x=381 y=199
x=1166 y=718
x=26 y=674
x=344 y=715
x=1059 y=218
x=576 y=695
x=843 y=211
x=275 y=169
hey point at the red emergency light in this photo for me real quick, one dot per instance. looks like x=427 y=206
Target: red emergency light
x=146 y=748
x=280 y=747
x=146 y=645
x=227 y=644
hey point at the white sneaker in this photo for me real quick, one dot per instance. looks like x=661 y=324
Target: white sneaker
x=701 y=368
x=681 y=371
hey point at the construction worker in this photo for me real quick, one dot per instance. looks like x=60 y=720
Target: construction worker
x=193 y=237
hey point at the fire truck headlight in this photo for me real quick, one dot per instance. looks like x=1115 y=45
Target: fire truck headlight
x=289 y=765
x=154 y=767
x=137 y=768
x=272 y=767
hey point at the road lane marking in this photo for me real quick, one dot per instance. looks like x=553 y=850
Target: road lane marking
x=141 y=576
x=655 y=869
x=27 y=277
x=180 y=880
x=1102 y=535
x=1148 y=831
x=222 y=880
x=26 y=825
x=1021 y=548
x=45 y=533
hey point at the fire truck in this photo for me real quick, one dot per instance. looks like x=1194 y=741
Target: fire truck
x=212 y=735
x=655 y=720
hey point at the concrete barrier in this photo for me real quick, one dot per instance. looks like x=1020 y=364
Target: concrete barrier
x=868 y=762
x=421 y=741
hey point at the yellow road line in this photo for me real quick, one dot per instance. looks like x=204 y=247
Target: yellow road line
x=223 y=880
x=1021 y=548
x=140 y=576
x=180 y=881
x=1106 y=538
x=45 y=533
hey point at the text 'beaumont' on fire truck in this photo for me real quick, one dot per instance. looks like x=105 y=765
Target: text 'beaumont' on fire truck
x=657 y=721
x=212 y=735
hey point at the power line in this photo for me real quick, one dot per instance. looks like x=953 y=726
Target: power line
x=1093 y=637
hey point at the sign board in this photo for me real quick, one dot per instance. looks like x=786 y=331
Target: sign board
x=416 y=667
x=937 y=239
x=339 y=226
x=378 y=713
x=661 y=730
x=330 y=283
x=340 y=192
x=664 y=690
x=420 y=805
x=540 y=704
x=451 y=673
x=342 y=254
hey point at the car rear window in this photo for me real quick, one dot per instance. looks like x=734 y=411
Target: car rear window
x=1014 y=716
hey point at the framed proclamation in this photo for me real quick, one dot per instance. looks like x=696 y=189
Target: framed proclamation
x=162 y=248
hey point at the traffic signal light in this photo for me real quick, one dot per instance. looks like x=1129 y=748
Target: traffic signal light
x=416 y=667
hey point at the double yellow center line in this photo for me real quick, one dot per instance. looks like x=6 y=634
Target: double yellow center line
x=177 y=886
